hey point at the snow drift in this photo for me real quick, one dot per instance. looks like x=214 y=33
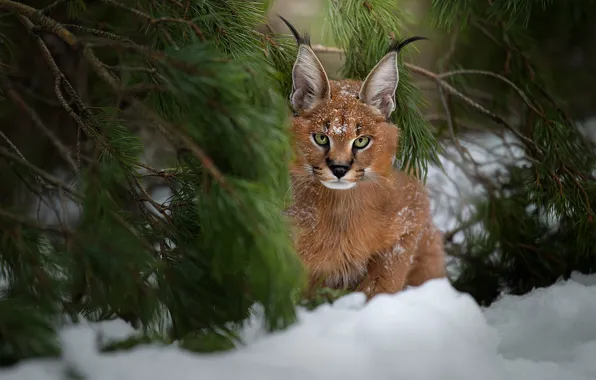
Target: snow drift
x=430 y=332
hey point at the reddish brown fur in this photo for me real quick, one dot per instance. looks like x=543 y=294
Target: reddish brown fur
x=377 y=236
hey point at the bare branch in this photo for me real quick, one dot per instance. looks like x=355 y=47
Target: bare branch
x=12 y=145
x=13 y=95
x=97 y=32
x=500 y=77
x=55 y=4
x=32 y=224
x=452 y=90
x=47 y=177
x=326 y=49
x=40 y=19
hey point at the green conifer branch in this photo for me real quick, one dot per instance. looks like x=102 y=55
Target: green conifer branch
x=221 y=244
x=556 y=183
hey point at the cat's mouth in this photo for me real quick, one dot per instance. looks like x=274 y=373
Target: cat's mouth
x=338 y=184
x=333 y=182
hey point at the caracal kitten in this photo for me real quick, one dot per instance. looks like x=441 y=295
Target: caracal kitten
x=358 y=223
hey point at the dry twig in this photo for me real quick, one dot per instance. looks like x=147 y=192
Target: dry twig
x=13 y=95
x=46 y=177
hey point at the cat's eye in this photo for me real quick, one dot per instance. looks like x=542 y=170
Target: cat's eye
x=321 y=139
x=361 y=142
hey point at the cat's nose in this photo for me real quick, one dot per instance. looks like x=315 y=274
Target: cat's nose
x=339 y=170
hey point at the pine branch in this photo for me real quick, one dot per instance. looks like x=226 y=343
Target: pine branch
x=538 y=225
x=100 y=69
x=182 y=87
x=40 y=19
x=157 y=21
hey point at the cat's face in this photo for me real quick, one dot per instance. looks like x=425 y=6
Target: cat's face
x=343 y=141
x=341 y=131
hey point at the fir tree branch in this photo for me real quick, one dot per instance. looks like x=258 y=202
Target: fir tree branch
x=61 y=80
x=449 y=118
x=33 y=94
x=444 y=60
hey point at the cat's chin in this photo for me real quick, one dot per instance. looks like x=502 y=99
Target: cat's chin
x=338 y=184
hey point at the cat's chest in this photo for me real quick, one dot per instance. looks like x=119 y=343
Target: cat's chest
x=347 y=229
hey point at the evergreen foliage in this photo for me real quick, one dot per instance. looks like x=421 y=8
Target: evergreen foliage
x=202 y=76
x=535 y=223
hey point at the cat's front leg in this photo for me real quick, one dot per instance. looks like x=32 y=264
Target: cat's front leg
x=388 y=271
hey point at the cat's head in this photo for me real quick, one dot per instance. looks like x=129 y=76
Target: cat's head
x=341 y=130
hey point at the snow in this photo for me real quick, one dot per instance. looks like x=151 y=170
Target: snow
x=453 y=190
x=429 y=332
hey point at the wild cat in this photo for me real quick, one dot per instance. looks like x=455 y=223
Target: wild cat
x=358 y=222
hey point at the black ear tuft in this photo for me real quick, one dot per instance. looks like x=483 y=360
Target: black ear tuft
x=398 y=45
x=300 y=40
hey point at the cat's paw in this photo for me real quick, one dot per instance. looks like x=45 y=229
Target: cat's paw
x=369 y=286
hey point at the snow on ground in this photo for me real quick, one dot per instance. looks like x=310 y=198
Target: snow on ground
x=430 y=332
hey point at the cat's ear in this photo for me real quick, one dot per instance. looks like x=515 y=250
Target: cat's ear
x=310 y=84
x=378 y=89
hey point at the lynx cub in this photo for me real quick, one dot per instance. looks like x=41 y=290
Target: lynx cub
x=359 y=223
